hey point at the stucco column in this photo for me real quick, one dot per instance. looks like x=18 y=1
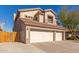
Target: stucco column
x=27 y=35
x=54 y=33
x=63 y=35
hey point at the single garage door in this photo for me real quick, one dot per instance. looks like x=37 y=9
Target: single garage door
x=58 y=36
x=40 y=36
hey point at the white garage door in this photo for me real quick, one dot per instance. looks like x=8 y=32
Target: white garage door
x=58 y=36
x=40 y=36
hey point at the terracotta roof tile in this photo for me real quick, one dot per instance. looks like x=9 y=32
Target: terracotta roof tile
x=31 y=22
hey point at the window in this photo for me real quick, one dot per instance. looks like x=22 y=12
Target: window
x=50 y=19
x=36 y=18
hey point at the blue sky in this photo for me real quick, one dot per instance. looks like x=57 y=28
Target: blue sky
x=7 y=11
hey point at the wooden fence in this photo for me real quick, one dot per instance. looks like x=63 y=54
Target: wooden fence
x=9 y=36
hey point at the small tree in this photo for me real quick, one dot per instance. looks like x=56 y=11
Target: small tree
x=70 y=19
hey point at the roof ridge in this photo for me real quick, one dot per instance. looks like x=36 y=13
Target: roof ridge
x=30 y=9
x=49 y=10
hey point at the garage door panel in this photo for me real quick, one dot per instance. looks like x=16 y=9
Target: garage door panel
x=40 y=36
x=58 y=36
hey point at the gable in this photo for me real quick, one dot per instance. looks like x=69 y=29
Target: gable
x=50 y=14
x=50 y=11
x=39 y=13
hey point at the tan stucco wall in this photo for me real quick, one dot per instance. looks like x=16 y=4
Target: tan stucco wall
x=28 y=13
x=20 y=27
x=23 y=35
x=41 y=18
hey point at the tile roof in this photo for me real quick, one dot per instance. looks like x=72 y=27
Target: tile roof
x=31 y=22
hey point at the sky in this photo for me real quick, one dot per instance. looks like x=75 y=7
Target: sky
x=7 y=11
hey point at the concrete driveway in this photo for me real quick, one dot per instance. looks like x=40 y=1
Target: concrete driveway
x=47 y=47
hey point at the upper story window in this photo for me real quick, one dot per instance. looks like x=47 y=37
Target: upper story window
x=36 y=18
x=50 y=19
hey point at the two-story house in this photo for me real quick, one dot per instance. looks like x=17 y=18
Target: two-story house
x=37 y=25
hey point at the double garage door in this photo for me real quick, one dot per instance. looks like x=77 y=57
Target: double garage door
x=42 y=36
